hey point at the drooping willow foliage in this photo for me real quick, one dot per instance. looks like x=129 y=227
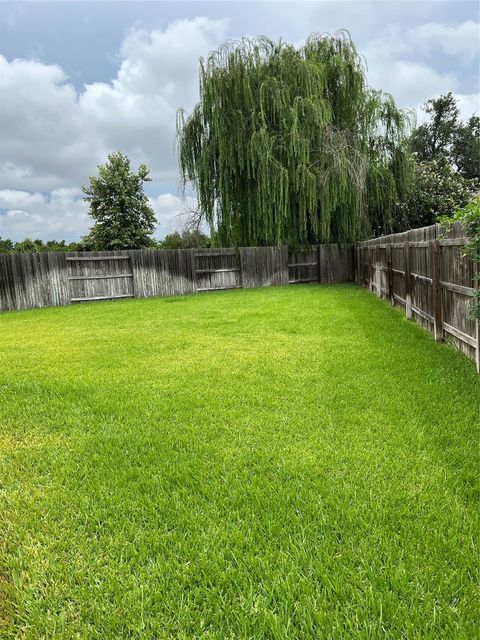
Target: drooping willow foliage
x=290 y=145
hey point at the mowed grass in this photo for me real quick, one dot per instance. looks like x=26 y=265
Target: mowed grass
x=293 y=462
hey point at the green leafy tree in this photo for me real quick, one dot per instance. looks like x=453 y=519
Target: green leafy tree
x=466 y=148
x=27 y=246
x=435 y=137
x=445 y=136
x=437 y=190
x=36 y=246
x=291 y=145
x=60 y=245
x=171 y=241
x=6 y=245
x=447 y=159
x=123 y=216
x=189 y=239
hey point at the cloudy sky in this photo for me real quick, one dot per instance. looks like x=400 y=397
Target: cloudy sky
x=80 y=79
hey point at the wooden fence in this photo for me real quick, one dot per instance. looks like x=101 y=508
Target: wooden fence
x=424 y=271
x=51 y=279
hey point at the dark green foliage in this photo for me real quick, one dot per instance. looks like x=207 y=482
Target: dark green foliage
x=466 y=148
x=435 y=138
x=445 y=136
x=28 y=246
x=185 y=240
x=123 y=216
x=447 y=154
x=6 y=245
x=437 y=190
x=469 y=216
x=36 y=246
x=290 y=145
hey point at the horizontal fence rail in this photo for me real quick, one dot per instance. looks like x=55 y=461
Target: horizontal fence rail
x=425 y=272
x=52 y=279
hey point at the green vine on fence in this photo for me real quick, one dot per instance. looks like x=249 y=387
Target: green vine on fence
x=469 y=216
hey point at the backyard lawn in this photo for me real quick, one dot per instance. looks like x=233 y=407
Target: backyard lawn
x=282 y=463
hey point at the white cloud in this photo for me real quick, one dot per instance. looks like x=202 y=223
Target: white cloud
x=53 y=137
x=461 y=41
x=61 y=214
x=159 y=73
x=409 y=82
x=397 y=61
x=46 y=143
x=168 y=208
x=468 y=104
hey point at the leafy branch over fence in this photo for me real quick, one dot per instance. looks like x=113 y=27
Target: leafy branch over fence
x=469 y=217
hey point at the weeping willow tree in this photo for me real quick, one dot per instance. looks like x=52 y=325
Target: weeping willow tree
x=291 y=146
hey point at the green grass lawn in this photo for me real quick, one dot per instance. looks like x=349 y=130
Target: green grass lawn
x=293 y=462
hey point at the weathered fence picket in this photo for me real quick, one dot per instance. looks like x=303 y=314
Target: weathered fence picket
x=425 y=272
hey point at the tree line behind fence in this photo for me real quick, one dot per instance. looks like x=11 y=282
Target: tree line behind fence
x=422 y=271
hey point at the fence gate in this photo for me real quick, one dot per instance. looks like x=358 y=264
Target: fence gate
x=304 y=266
x=100 y=277
x=217 y=269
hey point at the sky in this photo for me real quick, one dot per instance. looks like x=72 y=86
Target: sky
x=80 y=79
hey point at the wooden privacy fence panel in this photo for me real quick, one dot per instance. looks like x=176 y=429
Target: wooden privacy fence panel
x=50 y=279
x=33 y=280
x=304 y=266
x=264 y=266
x=325 y=263
x=217 y=269
x=162 y=273
x=99 y=275
x=336 y=263
x=425 y=272
x=456 y=273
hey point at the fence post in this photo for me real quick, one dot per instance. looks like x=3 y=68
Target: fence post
x=378 y=272
x=240 y=265
x=194 y=269
x=378 y=278
x=370 y=270
x=408 y=282
x=390 y=273
x=477 y=321
x=355 y=262
x=358 y=259
x=436 y=291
